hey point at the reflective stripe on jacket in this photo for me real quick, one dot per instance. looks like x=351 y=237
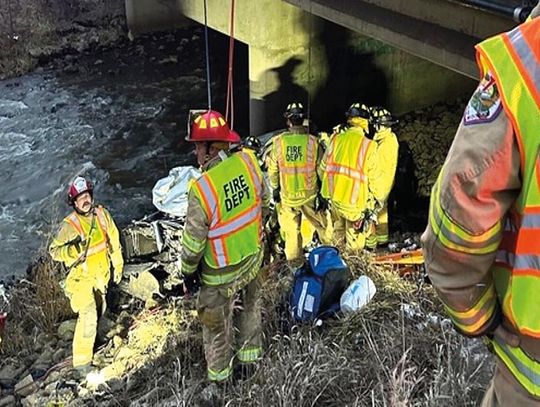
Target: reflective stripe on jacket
x=344 y=172
x=103 y=240
x=100 y=240
x=514 y=60
x=230 y=195
x=297 y=161
x=470 y=215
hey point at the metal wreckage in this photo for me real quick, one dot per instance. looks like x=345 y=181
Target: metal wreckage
x=152 y=244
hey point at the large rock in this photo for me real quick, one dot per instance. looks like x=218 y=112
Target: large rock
x=26 y=386
x=9 y=375
x=59 y=355
x=105 y=325
x=33 y=400
x=144 y=286
x=66 y=330
x=45 y=360
x=8 y=401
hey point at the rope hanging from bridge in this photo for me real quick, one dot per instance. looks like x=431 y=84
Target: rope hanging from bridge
x=230 y=92
x=309 y=67
x=207 y=55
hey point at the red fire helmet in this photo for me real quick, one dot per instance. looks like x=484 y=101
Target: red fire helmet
x=211 y=126
x=79 y=186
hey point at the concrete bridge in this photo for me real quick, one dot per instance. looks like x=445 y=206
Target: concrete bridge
x=402 y=54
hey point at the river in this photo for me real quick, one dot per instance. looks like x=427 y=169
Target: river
x=116 y=115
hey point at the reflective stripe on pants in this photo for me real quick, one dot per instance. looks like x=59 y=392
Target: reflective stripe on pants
x=505 y=390
x=219 y=322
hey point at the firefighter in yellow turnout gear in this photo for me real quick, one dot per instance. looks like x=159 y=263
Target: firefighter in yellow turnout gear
x=387 y=150
x=88 y=244
x=292 y=172
x=222 y=245
x=351 y=179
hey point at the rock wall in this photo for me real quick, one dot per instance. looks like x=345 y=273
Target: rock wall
x=429 y=133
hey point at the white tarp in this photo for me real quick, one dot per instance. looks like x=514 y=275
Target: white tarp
x=169 y=194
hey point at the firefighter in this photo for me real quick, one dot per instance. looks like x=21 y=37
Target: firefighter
x=481 y=244
x=88 y=244
x=351 y=179
x=222 y=246
x=387 y=150
x=254 y=144
x=292 y=172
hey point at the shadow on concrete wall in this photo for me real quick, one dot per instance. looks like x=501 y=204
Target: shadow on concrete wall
x=288 y=91
x=353 y=76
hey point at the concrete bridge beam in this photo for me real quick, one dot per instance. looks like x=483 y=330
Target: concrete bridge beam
x=441 y=31
x=284 y=66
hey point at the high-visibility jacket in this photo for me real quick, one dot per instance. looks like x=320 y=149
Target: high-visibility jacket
x=513 y=59
x=350 y=177
x=96 y=231
x=230 y=195
x=293 y=167
x=387 y=150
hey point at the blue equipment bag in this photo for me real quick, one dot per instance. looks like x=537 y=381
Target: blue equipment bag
x=318 y=285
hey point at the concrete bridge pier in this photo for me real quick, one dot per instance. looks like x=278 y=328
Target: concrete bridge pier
x=280 y=49
x=287 y=64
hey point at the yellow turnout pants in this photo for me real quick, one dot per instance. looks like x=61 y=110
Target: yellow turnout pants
x=290 y=221
x=344 y=231
x=382 y=225
x=222 y=317
x=85 y=296
x=378 y=235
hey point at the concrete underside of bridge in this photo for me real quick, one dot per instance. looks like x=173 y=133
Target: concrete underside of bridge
x=336 y=54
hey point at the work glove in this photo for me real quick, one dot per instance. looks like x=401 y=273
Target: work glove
x=370 y=219
x=372 y=130
x=192 y=283
x=77 y=246
x=321 y=204
x=117 y=276
x=276 y=196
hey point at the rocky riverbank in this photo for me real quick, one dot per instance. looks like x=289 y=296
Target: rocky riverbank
x=398 y=350
x=35 y=31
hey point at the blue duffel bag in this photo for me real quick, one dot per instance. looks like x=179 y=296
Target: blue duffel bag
x=318 y=285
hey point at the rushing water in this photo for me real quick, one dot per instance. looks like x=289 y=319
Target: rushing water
x=118 y=116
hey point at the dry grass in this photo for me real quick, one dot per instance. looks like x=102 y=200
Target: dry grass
x=384 y=355
x=24 y=25
x=381 y=356
x=36 y=305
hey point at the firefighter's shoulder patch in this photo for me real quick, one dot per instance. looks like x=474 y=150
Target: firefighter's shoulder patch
x=485 y=104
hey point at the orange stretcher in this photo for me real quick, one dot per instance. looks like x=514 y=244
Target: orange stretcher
x=406 y=262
